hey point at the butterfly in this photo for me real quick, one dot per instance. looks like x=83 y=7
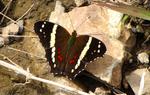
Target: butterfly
x=68 y=55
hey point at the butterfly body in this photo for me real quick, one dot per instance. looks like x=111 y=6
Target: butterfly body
x=67 y=54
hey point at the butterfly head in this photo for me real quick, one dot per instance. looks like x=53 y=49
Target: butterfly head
x=74 y=33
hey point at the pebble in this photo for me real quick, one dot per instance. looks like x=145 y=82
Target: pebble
x=12 y=29
x=81 y=2
x=143 y=57
x=1 y=42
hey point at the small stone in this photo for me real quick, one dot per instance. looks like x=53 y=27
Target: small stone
x=20 y=23
x=81 y=2
x=143 y=57
x=1 y=42
x=135 y=80
x=12 y=29
x=59 y=9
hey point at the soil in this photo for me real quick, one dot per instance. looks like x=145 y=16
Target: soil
x=15 y=84
x=12 y=83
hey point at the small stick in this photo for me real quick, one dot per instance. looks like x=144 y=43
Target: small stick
x=141 y=88
x=33 y=77
x=19 y=36
x=126 y=9
x=25 y=12
x=25 y=52
x=9 y=60
x=7 y=8
x=15 y=21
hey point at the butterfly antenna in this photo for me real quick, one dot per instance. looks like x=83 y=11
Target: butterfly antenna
x=79 y=24
x=87 y=18
x=18 y=36
x=71 y=22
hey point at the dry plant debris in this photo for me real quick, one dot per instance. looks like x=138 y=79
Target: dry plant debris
x=127 y=38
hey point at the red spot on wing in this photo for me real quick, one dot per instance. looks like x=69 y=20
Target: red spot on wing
x=60 y=57
x=50 y=62
x=72 y=61
x=58 y=50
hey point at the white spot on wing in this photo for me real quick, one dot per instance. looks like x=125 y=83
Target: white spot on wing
x=72 y=70
x=53 y=60
x=52 y=43
x=43 y=26
x=99 y=46
x=53 y=36
x=75 y=75
x=98 y=51
x=53 y=49
x=54 y=65
x=40 y=30
x=83 y=53
x=53 y=54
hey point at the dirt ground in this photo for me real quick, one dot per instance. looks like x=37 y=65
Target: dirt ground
x=12 y=83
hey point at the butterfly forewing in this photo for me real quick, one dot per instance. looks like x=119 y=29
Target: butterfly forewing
x=54 y=39
x=62 y=37
x=43 y=29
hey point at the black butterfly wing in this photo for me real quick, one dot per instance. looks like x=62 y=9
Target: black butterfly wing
x=54 y=39
x=85 y=50
x=44 y=29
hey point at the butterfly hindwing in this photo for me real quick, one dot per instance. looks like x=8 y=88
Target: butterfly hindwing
x=85 y=50
x=74 y=55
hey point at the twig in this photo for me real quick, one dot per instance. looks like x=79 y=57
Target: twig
x=126 y=9
x=19 y=36
x=31 y=76
x=7 y=8
x=9 y=60
x=25 y=12
x=25 y=52
x=141 y=88
x=15 y=22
